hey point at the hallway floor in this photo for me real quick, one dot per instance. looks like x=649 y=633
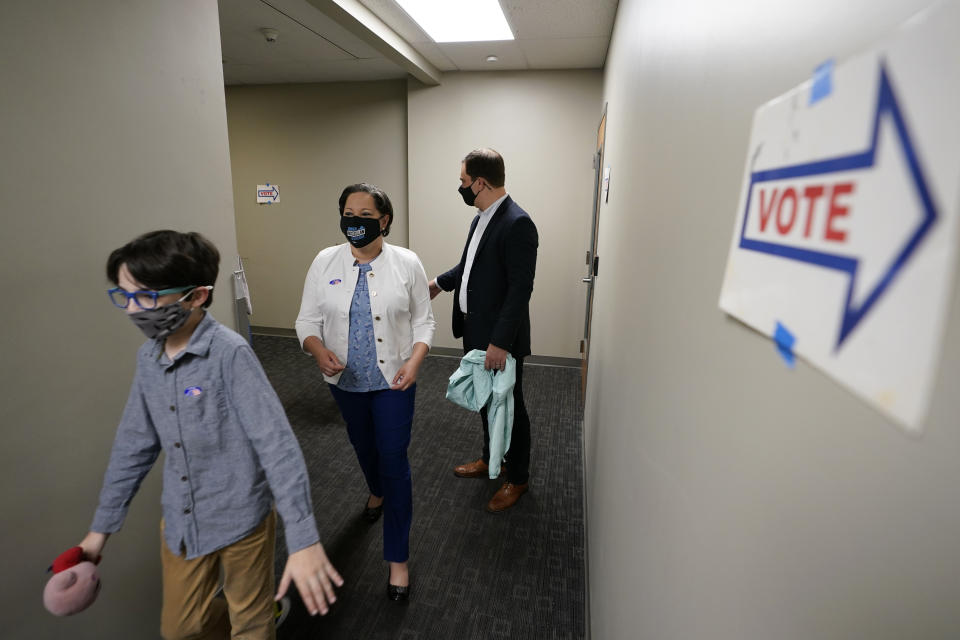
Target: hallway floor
x=475 y=575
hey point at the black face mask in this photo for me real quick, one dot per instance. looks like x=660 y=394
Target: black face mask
x=469 y=197
x=360 y=231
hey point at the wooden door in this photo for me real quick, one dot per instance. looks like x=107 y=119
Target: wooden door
x=592 y=259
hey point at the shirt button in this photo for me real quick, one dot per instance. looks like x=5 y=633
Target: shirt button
x=379 y=339
x=370 y=274
x=172 y=408
x=376 y=317
x=183 y=478
x=176 y=444
x=381 y=362
x=187 y=510
x=373 y=293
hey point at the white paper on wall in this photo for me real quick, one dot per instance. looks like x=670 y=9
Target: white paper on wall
x=844 y=244
x=268 y=193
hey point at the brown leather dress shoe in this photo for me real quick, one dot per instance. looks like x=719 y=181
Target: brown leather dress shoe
x=476 y=469
x=506 y=496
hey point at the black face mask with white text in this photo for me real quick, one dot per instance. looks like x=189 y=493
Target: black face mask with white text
x=360 y=231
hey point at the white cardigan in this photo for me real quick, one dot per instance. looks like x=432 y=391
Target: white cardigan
x=399 y=303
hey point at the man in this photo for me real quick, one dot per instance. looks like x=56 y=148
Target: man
x=492 y=286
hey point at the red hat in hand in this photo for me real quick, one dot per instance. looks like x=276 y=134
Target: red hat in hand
x=74 y=585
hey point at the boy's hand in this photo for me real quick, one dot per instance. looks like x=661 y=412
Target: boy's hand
x=313 y=574
x=92 y=545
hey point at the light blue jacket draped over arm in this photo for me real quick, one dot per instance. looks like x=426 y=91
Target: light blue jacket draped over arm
x=473 y=387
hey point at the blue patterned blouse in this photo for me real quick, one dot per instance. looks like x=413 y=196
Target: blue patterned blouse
x=361 y=373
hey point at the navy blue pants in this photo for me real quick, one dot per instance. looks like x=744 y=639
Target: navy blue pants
x=378 y=424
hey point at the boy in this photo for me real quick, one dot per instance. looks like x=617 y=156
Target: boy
x=200 y=394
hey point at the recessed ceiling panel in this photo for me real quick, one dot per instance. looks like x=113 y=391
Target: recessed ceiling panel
x=459 y=20
x=317 y=21
x=243 y=43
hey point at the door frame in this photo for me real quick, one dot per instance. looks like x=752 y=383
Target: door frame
x=592 y=259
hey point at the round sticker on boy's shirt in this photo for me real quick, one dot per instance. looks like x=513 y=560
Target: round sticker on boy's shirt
x=192 y=391
x=335 y=281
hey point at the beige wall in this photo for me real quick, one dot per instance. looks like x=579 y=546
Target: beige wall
x=728 y=497
x=544 y=124
x=113 y=125
x=312 y=140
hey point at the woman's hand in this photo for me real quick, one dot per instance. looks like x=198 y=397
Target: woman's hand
x=407 y=375
x=327 y=360
x=311 y=571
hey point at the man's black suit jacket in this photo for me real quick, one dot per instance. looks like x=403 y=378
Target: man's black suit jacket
x=501 y=281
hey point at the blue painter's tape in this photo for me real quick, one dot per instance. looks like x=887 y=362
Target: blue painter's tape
x=822 y=81
x=785 y=341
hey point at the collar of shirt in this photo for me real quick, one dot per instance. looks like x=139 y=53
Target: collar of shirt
x=486 y=213
x=350 y=262
x=199 y=343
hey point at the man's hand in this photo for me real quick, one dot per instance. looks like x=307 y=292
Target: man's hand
x=314 y=576
x=496 y=358
x=435 y=289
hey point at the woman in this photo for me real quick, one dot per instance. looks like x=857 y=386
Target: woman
x=366 y=319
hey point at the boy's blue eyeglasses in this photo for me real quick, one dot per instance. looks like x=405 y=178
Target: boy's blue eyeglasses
x=144 y=299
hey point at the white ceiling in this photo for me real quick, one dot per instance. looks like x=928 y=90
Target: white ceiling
x=318 y=46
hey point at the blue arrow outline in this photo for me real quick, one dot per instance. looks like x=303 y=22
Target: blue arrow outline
x=886 y=103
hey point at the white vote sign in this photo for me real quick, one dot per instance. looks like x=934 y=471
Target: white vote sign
x=268 y=193
x=844 y=244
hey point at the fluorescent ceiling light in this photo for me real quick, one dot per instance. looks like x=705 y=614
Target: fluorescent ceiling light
x=459 y=20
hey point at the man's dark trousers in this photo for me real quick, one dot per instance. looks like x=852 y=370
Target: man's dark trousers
x=517 y=459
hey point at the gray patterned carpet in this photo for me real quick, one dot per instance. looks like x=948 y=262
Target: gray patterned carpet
x=474 y=575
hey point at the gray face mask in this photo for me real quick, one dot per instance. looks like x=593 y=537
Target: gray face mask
x=159 y=323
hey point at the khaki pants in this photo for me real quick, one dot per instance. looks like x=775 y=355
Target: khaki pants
x=190 y=610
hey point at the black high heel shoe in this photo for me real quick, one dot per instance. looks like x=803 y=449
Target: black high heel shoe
x=397 y=594
x=372 y=514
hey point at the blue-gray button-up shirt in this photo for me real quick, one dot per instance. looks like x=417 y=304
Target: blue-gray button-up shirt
x=230 y=452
